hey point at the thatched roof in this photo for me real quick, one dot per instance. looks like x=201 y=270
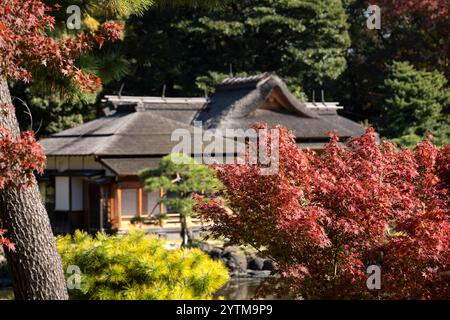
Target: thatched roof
x=238 y=103
x=142 y=126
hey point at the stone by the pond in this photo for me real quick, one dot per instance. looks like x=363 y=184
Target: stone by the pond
x=205 y=247
x=256 y=263
x=259 y=273
x=236 y=261
x=269 y=265
x=231 y=249
x=239 y=261
x=236 y=274
x=215 y=253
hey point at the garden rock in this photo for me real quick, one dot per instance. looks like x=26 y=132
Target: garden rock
x=256 y=263
x=269 y=265
x=215 y=253
x=241 y=262
x=205 y=247
x=259 y=273
x=236 y=261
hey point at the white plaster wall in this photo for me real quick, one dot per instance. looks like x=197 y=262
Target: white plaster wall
x=61 y=193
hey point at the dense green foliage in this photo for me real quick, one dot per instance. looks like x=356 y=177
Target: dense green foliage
x=57 y=104
x=411 y=31
x=137 y=266
x=416 y=103
x=311 y=44
x=304 y=41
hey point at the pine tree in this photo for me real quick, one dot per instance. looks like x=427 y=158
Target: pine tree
x=413 y=31
x=303 y=41
x=180 y=174
x=136 y=266
x=25 y=50
x=416 y=103
x=56 y=104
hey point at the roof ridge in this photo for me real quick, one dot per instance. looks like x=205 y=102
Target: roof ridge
x=154 y=99
x=255 y=77
x=300 y=106
x=245 y=81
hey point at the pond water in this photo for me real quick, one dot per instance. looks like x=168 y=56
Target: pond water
x=235 y=289
x=242 y=289
x=239 y=289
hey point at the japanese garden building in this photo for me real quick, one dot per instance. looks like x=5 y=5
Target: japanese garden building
x=91 y=180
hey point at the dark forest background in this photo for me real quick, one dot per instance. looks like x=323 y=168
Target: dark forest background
x=395 y=78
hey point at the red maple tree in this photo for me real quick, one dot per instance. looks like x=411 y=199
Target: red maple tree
x=26 y=49
x=325 y=217
x=20 y=157
x=4 y=241
x=430 y=12
x=425 y=22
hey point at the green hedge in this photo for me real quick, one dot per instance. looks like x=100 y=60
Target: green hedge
x=137 y=266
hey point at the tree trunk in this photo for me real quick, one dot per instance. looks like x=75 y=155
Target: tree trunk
x=35 y=266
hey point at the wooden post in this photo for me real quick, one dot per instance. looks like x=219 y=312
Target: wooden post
x=119 y=207
x=102 y=207
x=161 y=205
x=139 y=204
x=70 y=216
x=112 y=205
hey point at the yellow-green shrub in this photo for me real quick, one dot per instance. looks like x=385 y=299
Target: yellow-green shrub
x=137 y=266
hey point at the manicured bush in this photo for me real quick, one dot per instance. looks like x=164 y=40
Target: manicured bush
x=137 y=266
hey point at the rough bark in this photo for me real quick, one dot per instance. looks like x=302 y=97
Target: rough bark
x=35 y=266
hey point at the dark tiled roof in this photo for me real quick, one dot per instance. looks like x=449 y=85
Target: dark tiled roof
x=142 y=126
x=136 y=133
x=73 y=146
x=303 y=128
x=178 y=109
x=242 y=82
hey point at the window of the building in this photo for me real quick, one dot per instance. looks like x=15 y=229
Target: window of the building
x=153 y=202
x=62 y=194
x=129 y=202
